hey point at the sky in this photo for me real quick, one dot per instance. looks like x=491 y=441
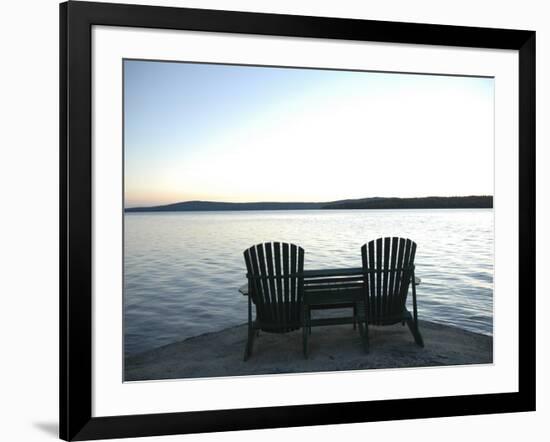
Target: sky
x=196 y=131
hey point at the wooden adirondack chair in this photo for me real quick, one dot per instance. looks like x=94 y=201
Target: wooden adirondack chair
x=276 y=287
x=388 y=271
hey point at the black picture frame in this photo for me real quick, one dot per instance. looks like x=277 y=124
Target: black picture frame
x=76 y=21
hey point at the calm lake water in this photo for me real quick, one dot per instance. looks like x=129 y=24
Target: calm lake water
x=183 y=270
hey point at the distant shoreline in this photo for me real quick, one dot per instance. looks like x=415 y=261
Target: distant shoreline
x=375 y=203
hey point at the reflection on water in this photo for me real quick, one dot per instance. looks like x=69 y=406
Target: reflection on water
x=183 y=270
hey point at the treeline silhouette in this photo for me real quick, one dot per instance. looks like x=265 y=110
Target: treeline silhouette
x=431 y=202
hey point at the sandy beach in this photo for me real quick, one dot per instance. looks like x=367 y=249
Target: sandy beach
x=333 y=348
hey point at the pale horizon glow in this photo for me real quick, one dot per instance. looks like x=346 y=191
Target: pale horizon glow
x=244 y=133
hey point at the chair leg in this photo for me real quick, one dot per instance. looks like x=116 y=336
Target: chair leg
x=364 y=332
x=247 y=349
x=249 y=342
x=413 y=327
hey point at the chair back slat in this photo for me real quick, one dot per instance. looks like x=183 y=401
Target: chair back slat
x=393 y=279
x=286 y=282
x=299 y=286
x=275 y=274
x=279 y=286
x=385 y=292
x=378 y=266
x=293 y=263
x=255 y=285
x=370 y=278
x=271 y=281
x=388 y=266
x=265 y=295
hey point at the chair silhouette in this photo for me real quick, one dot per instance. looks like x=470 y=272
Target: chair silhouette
x=275 y=287
x=388 y=271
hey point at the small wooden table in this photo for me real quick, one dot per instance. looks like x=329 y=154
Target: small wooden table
x=331 y=289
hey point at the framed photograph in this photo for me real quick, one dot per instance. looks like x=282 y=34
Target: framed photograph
x=273 y=220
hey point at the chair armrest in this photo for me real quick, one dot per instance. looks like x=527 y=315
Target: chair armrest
x=244 y=289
